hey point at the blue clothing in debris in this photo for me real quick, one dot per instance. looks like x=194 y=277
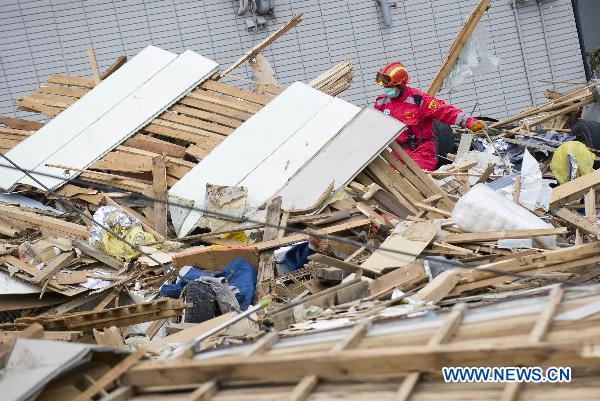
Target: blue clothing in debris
x=239 y=273
x=297 y=256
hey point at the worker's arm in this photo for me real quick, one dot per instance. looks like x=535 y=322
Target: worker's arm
x=448 y=114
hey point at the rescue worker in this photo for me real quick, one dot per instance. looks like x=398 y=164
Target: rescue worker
x=417 y=110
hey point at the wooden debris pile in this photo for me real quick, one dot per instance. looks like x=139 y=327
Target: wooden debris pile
x=380 y=288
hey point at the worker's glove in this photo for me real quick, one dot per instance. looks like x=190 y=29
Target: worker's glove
x=476 y=126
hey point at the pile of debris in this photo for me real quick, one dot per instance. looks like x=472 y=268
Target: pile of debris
x=161 y=207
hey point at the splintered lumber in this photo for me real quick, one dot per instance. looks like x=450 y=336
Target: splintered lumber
x=566 y=100
x=573 y=190
x=54 y=266
x=457 y=46
x=110 y=336
x=47 y=224
x=401 y=248
x=295 y=20
x=118 y=63
x=265 y=264
x=159 y=181
x=290 y=239
x=576 y=220
x=439 y=287
x=423 y=178
x=121 y=316
x=404 y=278
x=335 y=80
x=496 y=235
x=113 y=374
x=357 y=362
x=97 y=254
x=94 y=65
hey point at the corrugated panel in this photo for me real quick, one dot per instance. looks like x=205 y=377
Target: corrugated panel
x=42 y=37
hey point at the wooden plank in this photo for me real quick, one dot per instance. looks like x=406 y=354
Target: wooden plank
x=511 y=390
x=496 y=235
x=118 y=63
x=347 y=267
x=573 y=190
x=239 y=93
x=100 y=256
x=207 y=116
x=439 y=287
x=303 y=389
x=204 y=392
x=290 y=239
x=169 y=82
x=401 y=248
x=94 y=65
x=576 y=220
x=18 y=123
x=263 y=72
x=71 y=80
x=265 y=263
x=263 y=344
x=45 y=223
x=404 y=278
x=590 y=205
x=457 y=46
x=213 y=259
x=113 y=374
x=445 y=202
x=194 y=123
x=356 y=362
x=159 y=182
x=441 y=336
x=295 y=20
x=155 y=145
x=54 y=266
x=110 y=336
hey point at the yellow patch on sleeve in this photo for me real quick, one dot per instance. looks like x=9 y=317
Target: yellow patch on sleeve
x=433 y=104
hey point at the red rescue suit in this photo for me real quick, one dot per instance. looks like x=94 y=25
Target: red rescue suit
x=406 y=109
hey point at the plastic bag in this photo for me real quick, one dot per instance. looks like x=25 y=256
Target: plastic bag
x=127 y=227
x=561 y=167
x=474 y=59
x=483 y=210
x=535 y=192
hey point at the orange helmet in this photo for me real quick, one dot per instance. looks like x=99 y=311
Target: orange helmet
x=392 y=74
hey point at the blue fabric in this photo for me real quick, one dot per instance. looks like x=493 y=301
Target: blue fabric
x=239 y=273
x=297 y=256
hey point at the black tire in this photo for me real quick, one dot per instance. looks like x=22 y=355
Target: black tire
x=203 y=299
x=444 y=141
x=587 y=132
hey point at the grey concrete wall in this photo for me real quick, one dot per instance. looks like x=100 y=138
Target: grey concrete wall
x=41 y=37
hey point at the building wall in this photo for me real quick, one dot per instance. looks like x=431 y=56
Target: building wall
x=42 y=37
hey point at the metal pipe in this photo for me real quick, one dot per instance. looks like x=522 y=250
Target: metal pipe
x=386 y=12
x=525 y=63
x=547 y=47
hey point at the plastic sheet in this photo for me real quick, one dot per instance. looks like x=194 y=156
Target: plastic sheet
x=126 y=227
x=581 y=157
x=535 y=192
x=483 y=210
x=474 y=59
